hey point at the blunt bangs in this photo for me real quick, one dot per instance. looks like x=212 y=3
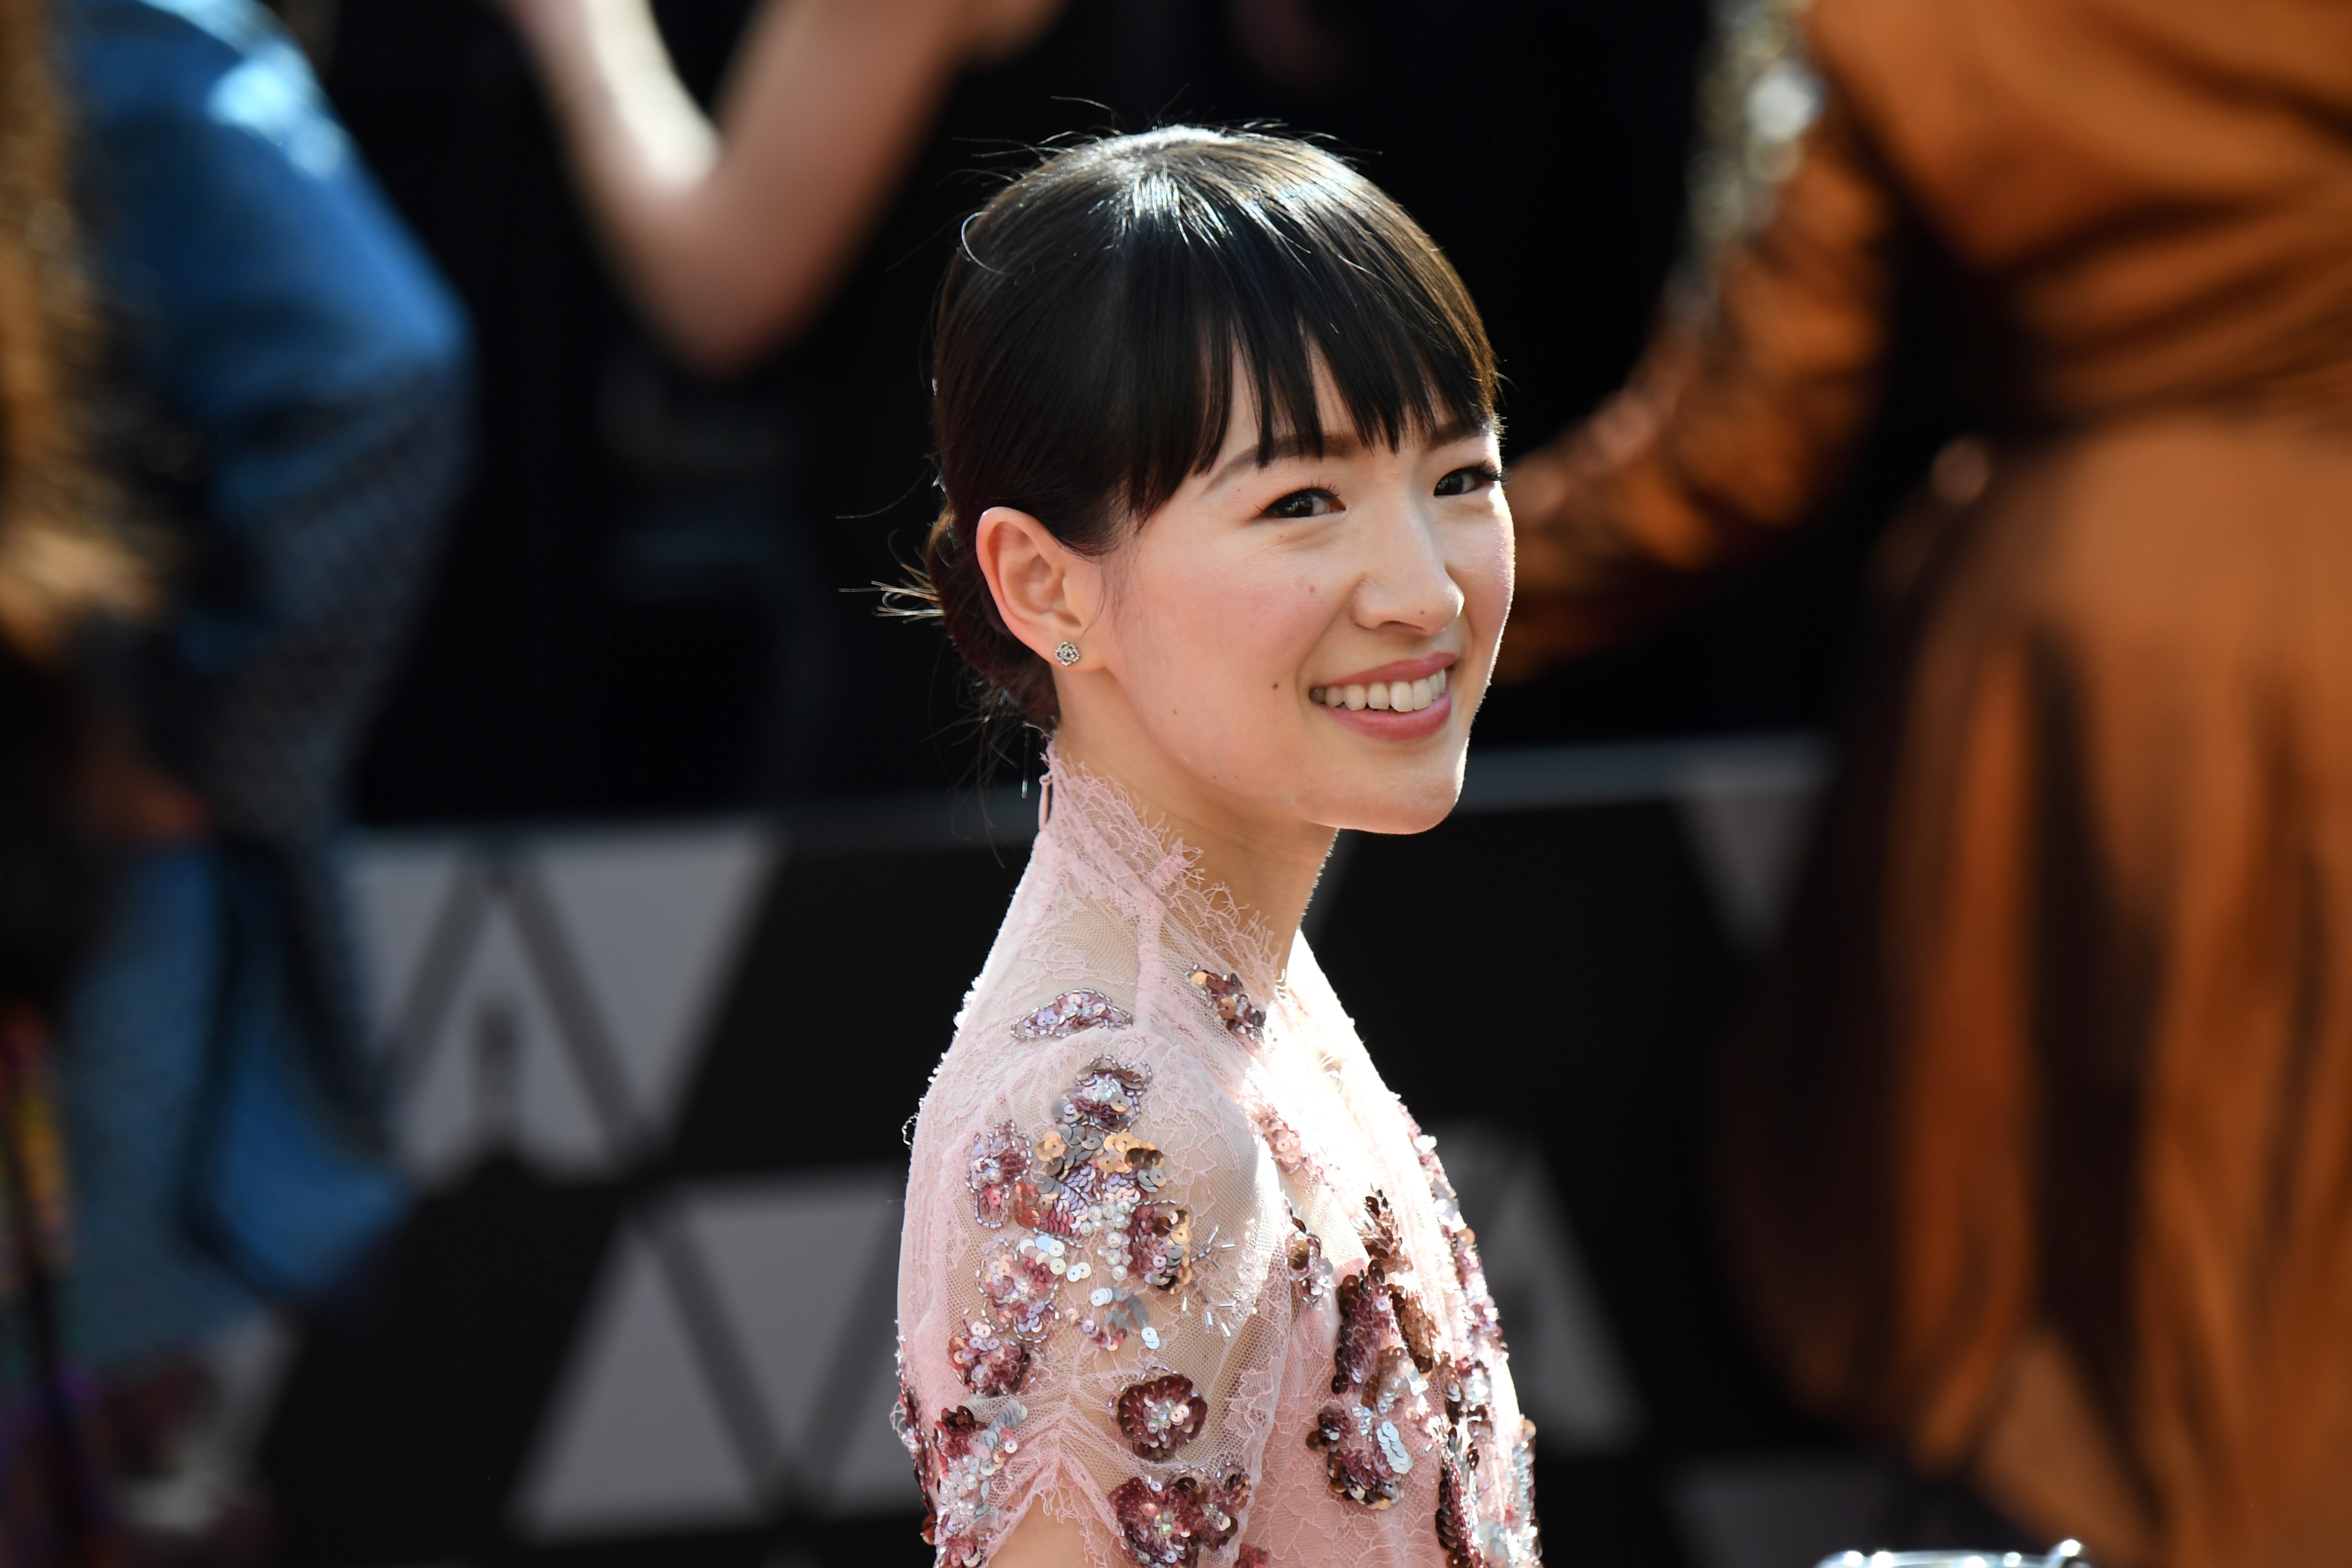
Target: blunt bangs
x=1133 y=293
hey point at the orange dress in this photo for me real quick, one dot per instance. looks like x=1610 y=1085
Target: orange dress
x=2038 y=1140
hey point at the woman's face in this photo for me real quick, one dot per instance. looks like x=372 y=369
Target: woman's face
x=1311 y=637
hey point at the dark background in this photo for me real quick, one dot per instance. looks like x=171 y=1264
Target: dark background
x=652 y=602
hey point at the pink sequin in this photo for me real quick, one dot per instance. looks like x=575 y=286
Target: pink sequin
x=1378 y=1376
x=1508 y=1541
x=1366 y=1322
x=999 y=1158
x=1019 y=1284
x=1109 y=1095
x=1159 y=1241
x=1242 y=1019
x=967 y=1456
x=1455 y=1533
x=1069 y=1014
x=1160 y=1415
x=1310 y=1275
x=1360 y=1472
x=990 y=1361
x=1170 y=1524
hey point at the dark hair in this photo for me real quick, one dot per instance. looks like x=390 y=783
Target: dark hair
x=1089 y=326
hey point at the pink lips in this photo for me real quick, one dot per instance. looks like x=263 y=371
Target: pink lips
x=1386 y=722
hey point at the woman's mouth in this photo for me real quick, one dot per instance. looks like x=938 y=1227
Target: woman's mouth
x=1382 y=696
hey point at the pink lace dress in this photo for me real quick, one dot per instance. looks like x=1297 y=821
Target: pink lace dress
x=1177 y=1265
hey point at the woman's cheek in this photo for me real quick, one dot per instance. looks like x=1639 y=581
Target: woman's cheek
x=1483 y=570
x=1265 y=622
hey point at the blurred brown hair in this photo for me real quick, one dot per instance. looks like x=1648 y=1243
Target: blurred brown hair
x=69 y=558
x=65 y=553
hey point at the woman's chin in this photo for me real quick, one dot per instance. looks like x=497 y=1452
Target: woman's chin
x=1412 y=801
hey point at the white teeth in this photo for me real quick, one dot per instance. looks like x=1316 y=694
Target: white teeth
x=1382 y=696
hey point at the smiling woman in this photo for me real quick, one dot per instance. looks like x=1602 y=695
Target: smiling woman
x=1181 y=1280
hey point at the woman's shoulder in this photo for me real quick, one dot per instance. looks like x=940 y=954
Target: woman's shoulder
x=1029 y=1058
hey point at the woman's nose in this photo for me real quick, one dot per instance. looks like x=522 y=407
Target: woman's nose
x=1406 y=583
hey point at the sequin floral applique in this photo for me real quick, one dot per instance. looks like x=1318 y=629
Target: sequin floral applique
x=1020 y=1279
x=1160 y=1414
x=991 y=1359
x=966 y=1457
x=1379 y=1375
x=1167 y=1525
x=1081 y=1206
x=1253 y=1557
x=1499 y=1532
x=1070 y=1013
x=1000 y=1163
x=1242 y=1019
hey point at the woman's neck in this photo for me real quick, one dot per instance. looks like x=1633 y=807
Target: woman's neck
x=1267 y=860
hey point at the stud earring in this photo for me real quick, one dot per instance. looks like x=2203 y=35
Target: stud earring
x=1065 y=654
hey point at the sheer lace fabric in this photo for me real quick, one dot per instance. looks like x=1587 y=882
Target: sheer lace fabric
x=1145 y=1280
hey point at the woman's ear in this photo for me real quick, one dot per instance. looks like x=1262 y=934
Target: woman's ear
x=1047 y=591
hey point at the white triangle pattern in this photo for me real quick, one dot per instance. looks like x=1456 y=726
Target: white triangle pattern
x=497 y=1072
x=793 y=1259
x=400 y=888
x=635 y=1438
x=647 y=924
x=800 y=1267
x=655 y=920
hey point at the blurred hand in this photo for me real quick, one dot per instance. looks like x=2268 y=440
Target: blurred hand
x=533 y=18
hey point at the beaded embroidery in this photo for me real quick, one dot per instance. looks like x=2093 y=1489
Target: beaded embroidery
x=1470 y=1540
x=967 y=1455
x=1084 y=1194
x=1378 y=1371
x=1242 y=1019
x=1160 y=1414
x=1311 y=1274
x=1168 y=1524
x=1000 y=1160
x=990 y=1360
x=1070 y=1013
x=1107 y=1178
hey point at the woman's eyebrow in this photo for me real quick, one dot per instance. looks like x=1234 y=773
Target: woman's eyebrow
x=1461 y=430
x=1291 y=444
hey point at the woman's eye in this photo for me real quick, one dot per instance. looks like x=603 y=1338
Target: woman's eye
x=1467 y=482
x=1304 y=503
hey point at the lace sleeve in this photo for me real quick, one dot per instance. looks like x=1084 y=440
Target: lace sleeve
x=1090 y=1305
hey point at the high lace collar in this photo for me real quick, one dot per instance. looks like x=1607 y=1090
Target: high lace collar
x=1094 y=819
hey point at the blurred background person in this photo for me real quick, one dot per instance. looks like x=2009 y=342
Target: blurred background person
x=730 y=235
x=288 y=384
x=2035 y=1156
x=730 y=231
x=68 y=567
